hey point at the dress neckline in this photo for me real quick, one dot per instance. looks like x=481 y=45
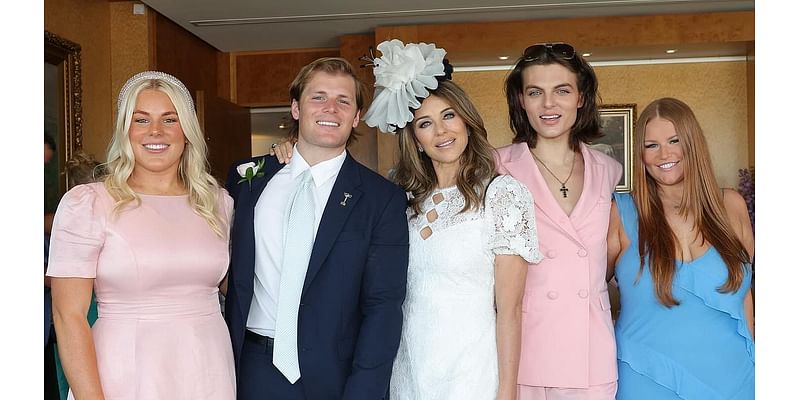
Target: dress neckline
x=162 y=195
x=698 y=258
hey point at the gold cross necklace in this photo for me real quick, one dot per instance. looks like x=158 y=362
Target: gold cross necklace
x=564 y=188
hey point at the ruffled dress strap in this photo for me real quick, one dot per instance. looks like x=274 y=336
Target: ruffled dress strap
x=628 y=215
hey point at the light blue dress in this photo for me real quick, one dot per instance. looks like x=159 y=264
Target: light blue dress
x=700 y=349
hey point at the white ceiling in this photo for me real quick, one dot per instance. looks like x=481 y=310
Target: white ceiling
x=254 y=25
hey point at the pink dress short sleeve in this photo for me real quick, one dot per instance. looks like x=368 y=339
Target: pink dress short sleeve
x=77 y=235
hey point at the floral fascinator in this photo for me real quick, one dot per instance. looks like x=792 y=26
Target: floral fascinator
x=403 y=75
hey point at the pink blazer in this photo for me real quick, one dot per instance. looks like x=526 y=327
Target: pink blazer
x=567 y=333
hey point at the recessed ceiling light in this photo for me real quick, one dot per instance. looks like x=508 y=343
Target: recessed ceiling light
x=503 y=57
x=587 y=54
x=671 y=51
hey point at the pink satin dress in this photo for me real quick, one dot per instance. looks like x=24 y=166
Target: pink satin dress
x=157 y=267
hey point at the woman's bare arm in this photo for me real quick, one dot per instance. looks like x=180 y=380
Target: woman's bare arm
x=510 y=272
x=71 y=299
x=739 y=219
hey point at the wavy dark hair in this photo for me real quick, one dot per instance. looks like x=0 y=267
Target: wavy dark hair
x=587 y=123
x=415 y=173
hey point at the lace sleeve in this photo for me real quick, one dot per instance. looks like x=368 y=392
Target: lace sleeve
x=509 y=208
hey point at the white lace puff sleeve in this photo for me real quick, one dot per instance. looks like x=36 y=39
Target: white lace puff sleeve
x=509 y=208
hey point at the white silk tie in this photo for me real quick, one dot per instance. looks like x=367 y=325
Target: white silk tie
x=298 y=242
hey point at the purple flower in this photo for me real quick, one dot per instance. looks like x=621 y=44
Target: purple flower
x=747 y=188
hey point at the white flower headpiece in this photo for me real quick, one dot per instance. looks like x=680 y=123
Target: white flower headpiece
x=147 y=75
x=403 y=74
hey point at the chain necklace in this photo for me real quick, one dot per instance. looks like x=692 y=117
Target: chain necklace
x=564 y=188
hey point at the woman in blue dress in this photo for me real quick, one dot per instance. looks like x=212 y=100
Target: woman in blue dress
x=680 y=248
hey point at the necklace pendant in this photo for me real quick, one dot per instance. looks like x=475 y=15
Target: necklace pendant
x=564 y=190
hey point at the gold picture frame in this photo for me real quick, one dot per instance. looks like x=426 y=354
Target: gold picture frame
x=62 y=60
x=617 y=123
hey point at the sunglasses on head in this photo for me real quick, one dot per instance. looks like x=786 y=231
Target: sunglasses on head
x=558 y=50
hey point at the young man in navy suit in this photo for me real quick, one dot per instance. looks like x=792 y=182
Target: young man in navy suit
x=348 y=316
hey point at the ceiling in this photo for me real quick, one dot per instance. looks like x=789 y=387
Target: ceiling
x=260 y=25
x=257 y=25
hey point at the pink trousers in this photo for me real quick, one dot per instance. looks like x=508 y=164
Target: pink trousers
x=605 y=391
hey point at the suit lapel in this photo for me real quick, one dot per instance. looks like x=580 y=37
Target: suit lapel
x=334 y=216
x=593 y=174
x=244 y=220
x=522 y=166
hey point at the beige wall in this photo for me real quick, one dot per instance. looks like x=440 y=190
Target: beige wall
x=113 y=46
x=468 y=43
x=86 y=23
x=717 y=92
x=130 y=50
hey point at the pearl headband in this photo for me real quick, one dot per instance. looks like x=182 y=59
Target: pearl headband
x=148 y=75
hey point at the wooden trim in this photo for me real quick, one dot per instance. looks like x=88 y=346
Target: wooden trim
x=67 y=56
x=232 y=66
x=470 y=41
x=263 y=52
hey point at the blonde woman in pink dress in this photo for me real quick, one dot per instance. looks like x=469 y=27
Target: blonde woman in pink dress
x=152 y=240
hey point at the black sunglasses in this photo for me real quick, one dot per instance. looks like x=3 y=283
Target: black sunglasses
x=558 y=50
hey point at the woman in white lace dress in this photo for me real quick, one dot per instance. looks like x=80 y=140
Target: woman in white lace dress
x=471 y=237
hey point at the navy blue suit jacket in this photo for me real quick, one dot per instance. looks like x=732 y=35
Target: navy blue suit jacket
x=350 y=314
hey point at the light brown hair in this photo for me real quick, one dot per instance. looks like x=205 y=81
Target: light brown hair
x=415 y=173
x=702 y=198
x=330 y=65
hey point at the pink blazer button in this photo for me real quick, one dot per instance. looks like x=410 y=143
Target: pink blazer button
x=552 y=295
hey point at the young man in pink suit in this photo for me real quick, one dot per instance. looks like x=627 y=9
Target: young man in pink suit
x=568 y=349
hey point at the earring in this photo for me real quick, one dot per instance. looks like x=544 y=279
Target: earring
x=419 y=148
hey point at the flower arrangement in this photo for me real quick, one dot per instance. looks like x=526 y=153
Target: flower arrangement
x=747 y=188
x=403 y=75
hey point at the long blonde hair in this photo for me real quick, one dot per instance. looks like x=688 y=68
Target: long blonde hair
x=415 y=173
x=203 y=189
x=702 y=198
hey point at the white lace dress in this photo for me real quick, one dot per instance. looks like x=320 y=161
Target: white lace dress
x=448 y=348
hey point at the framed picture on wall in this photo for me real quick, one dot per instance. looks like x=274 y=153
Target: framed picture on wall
x=616 y=122
x=62 y=111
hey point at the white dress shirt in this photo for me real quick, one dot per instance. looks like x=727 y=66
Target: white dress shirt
x=270 y=220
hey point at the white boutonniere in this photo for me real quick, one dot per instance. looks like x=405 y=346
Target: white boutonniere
x=250 y=170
